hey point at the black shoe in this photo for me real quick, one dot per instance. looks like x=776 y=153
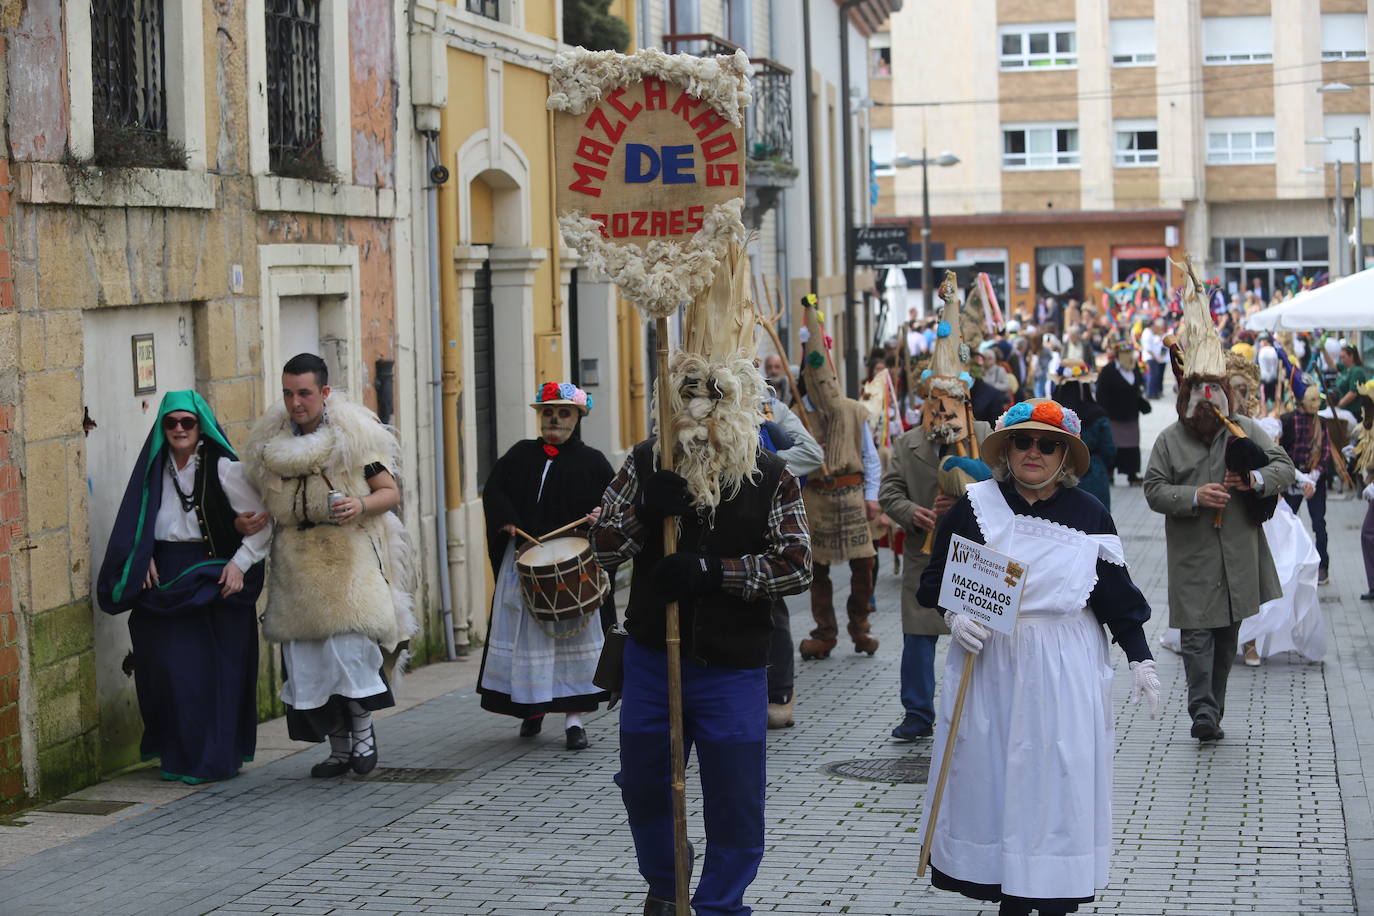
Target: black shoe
x=1206 y=730
x=366 y=762
x=530 y=727
x=1323 y=577
x=653 y=906
x=1368 y=596
x=911 y=728
x=576 y=738
x=330 y=768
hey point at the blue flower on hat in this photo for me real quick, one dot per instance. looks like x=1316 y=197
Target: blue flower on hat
x=567 y=390
x=1017 y=413
x=925 y=375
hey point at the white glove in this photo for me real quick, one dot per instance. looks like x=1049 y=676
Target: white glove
x=1348 y=451
x=1368 y=493
x=966 y=631
x=1145 y=682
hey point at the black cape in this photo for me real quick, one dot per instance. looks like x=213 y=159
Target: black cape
x=1119 y=398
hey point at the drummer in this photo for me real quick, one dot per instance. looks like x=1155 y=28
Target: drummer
x=532 y=666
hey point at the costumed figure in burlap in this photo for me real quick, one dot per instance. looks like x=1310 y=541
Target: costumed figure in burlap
x=532 y=666
x=742 y=543
x=911 y=493
x=1214 y=488
x=841 y=503
x=340 y=593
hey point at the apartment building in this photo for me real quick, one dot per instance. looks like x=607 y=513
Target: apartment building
x=1099 y=137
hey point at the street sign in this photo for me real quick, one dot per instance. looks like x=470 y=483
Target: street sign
x=1057 y=278
x=878 y=245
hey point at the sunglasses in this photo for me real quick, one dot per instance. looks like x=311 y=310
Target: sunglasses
x=562 y=413
x=1046 y=445
x=186 y=423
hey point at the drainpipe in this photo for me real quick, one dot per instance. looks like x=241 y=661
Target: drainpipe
x=851 y=343
x=436 y=355
x=812 y=160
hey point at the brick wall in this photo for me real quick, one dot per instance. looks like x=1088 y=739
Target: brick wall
x=11 y=525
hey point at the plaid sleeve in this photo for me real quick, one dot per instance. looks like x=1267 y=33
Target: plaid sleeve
x=785 y=567
x=618 y=535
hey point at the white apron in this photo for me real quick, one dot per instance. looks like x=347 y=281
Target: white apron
x=1028 y=801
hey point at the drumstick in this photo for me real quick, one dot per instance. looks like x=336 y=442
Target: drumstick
x=569 y=526
x=528 y=537
x=934 y=813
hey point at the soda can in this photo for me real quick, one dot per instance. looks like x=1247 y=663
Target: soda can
x=333 y=497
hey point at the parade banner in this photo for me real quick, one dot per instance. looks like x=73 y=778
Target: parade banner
x=983 y=584
x=649 y=160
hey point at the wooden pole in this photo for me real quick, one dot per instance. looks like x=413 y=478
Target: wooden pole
x=953 y=733
x=673 y=642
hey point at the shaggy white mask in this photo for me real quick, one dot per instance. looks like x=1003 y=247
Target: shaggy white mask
x=716 y=408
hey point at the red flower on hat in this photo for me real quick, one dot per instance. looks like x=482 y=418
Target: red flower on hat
x=549 y=392
x=1048 y=412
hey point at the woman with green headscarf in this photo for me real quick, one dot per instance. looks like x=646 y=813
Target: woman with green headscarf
x=192 y=583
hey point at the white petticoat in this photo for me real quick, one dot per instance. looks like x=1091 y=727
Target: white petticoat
x=527 y=664
x=347 y=664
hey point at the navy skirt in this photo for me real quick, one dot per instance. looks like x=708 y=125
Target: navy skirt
x=196 y=666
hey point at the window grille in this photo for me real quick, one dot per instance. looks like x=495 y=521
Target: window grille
x=293 y=81
x=127 y=71
x=488 y=8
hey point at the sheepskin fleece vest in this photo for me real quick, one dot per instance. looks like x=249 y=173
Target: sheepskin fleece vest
x=326 y=579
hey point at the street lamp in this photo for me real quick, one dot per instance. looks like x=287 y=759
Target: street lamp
x=1343 y=248
x=1358 y=215
x=903 y=161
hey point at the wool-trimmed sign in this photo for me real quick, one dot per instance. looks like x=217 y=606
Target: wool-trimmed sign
x=649 y=160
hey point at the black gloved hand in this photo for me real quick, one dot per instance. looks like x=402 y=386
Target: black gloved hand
x=1145 y=406
x=665 y=494
x=778 y=436
x=686 y=575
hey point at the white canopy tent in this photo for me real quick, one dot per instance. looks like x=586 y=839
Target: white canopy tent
x=1345 y=305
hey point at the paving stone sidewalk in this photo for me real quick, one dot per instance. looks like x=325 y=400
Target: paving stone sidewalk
x=1267 y=821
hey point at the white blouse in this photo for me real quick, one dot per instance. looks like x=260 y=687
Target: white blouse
x=175 y=524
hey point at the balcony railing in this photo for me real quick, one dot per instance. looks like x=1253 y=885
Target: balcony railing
x=768 y=122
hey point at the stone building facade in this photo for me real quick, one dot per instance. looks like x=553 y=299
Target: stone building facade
x=188 y=212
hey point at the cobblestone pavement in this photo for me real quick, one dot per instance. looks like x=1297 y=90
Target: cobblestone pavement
x=1267 y=821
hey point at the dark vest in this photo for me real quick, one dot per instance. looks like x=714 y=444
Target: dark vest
x=213 y=512
x=720 y=629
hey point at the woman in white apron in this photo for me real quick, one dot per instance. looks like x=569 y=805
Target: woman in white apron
x=1026 y=815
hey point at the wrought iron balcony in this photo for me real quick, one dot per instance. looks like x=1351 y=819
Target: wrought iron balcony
x=768 y=125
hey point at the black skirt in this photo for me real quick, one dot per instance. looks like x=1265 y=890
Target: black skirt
x=196 y=666
x=335 y=716
x=993 y=893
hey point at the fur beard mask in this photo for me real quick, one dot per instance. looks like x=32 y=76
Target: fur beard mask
x=716 y=407
x=1200 y=420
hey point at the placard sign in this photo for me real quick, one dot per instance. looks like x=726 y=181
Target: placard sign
x=983 y=584
x=648 y=162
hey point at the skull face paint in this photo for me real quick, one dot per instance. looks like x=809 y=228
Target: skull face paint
x=557 y=422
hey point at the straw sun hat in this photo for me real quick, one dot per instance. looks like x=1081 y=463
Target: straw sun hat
x=1035 y=416
x=555 y=394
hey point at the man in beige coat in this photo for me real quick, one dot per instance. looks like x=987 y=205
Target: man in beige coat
x=1220 y=568
x=910 y=495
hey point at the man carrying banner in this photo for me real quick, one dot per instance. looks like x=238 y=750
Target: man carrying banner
x=743 y=544
x=1026 y=814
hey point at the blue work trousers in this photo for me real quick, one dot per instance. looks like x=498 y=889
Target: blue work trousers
x=918 y=677
x=725 y=715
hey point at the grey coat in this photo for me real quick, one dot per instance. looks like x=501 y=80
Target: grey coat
x=911 y=480
x=1217 y=576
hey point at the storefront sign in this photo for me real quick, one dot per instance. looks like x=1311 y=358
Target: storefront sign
x=648 y=162
x=874 y=245
x=983 y=584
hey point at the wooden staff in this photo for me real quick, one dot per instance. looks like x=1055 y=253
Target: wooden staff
x=673 y=642
x=953 y=733
x=1234 y=430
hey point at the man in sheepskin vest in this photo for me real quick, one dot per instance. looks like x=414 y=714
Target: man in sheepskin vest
x=339 y=592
